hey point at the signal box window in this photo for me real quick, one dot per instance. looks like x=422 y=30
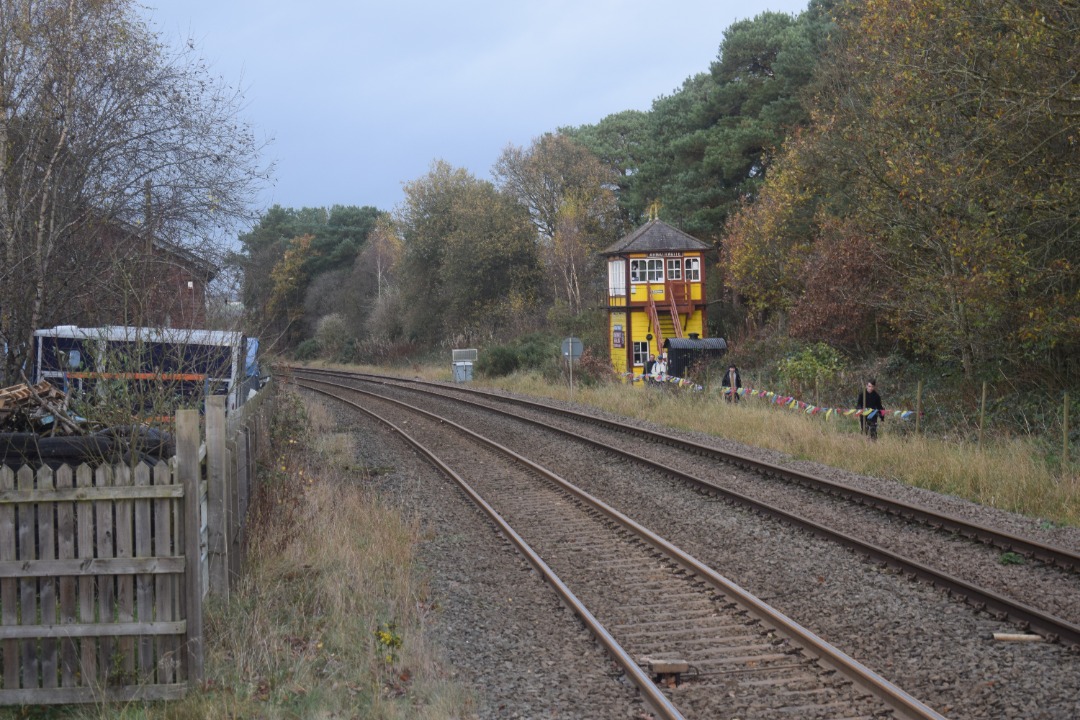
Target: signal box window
x=674 y=269
x=647 y=270
x=693 y=269
x=641 y=353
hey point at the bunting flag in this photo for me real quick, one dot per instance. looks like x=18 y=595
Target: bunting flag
x=785 y=400
x=794 y=403
x=681 y=382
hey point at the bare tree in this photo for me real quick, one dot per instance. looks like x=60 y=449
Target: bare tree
x=101 y=124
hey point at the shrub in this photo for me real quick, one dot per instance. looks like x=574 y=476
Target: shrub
x=307 y=350
x=498 y=361
x=531 y=352
x=332 y=334
x=818 y=362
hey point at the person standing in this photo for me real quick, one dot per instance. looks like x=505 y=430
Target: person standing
x=660 y=368
x=731 y=384
x=649 y=365
x=869 y=399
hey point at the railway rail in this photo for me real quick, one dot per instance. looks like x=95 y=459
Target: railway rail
x=1026 y=615
x=661 y=613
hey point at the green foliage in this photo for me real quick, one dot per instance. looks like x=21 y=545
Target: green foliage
x=467 y=249
x=389 y=641
x=307 y=350
x=531 y=352
x=332 y=335
x=939 y=149
x=813 y=363
x=1011 y=558
x=498 y=361
x=335 y=237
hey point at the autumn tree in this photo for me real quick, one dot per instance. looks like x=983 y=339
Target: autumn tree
x=943 y=150
x=100 y=124
x=569 y=195
x=469 y=260
x=955 y=125
x=369 y=289
x=288 y=283
x=338 y=235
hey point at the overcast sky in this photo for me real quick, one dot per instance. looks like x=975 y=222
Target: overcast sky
x=360 y=97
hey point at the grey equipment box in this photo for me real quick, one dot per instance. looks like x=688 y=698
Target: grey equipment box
x=462 y=364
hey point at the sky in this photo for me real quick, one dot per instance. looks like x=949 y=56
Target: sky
x=357 y=98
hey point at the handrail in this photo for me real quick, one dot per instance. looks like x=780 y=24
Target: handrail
x=655 y=318
x=675 y=319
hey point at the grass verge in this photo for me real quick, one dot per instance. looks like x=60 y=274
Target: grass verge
x=1009 y=473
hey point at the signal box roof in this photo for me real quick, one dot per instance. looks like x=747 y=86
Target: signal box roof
x=655 y=236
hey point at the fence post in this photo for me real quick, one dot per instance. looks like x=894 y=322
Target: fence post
x=217 y=509
x=187 y=467
x=1065 y=434
x=982 y=413
x=235 y=518
x=918 y=407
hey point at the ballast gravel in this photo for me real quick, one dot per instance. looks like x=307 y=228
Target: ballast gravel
x=525 y=656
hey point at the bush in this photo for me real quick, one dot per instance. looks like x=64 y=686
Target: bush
x=590 y=370
x=499 y=361
x=332 y=334
x=809 y=365
x=307 y=350
x=531 y=352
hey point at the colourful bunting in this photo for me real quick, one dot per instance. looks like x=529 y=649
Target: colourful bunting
x=786 y=400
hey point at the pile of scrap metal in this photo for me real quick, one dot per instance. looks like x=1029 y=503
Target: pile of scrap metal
x=36 y=429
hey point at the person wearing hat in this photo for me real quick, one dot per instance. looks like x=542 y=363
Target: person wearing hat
x=660 y=368
x=869 y=399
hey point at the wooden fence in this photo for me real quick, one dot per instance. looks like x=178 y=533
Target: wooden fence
x=103 y=570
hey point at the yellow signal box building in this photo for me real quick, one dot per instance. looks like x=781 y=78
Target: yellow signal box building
x=656 y=291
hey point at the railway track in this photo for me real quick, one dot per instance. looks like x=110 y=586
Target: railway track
x=696 y=644
x=1028 y=612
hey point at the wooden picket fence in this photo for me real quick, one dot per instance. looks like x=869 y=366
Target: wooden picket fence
x=104 y=570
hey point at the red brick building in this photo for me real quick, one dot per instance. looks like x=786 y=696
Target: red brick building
x=126 y=278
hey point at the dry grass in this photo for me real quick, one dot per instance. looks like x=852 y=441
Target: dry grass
x=1008 y=474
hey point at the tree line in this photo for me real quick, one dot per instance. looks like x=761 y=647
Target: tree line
x=882 y=175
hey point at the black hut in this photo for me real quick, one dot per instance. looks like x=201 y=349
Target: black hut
x=683 y=352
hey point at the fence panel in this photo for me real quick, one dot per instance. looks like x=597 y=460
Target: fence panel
x=88 y=591
x=103 y=569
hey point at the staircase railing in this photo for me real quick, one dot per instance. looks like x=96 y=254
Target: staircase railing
x=675 y=320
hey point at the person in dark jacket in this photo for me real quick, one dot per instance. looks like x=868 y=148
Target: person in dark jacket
x=649 y=365
x=870 y=399
x=731 y=384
